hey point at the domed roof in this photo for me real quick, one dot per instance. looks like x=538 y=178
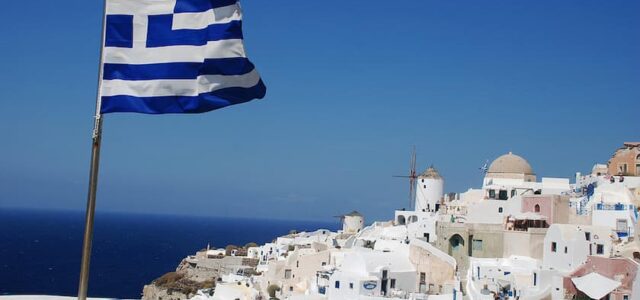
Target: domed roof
x=431 y=172
x=510 y=163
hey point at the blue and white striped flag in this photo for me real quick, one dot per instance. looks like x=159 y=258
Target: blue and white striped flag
x=175 y=56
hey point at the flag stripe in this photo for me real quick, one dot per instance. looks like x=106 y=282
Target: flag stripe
x=161 y=34
x=199 y=20
x=140 y=7
x=213 y=49
x=183 y=104
x=200 y=5
x=178 y=87
x=178 y=70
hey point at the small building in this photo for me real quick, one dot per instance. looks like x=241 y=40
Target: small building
x=464 y=240
x=603 y=278
x=420 y=225
x=567 y=246
x=352 y=222
x=435 y=269
x=366 y=272
x=524 y=235
x=626 y=160
x=555 y=208
x=429 y=191
x=514 y=277
x=612 y=205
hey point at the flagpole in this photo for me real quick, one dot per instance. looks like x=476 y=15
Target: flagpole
x=96 y=140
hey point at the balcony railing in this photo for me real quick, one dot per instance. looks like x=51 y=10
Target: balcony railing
x=618 y=206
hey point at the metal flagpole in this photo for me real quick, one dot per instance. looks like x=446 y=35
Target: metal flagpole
x=93 y=176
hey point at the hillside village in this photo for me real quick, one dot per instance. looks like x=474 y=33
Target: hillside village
x=516 y=237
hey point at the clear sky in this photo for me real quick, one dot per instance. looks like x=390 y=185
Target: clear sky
x=351 y=86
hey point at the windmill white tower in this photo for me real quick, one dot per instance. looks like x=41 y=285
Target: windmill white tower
x=429 y=190
x=352 y=222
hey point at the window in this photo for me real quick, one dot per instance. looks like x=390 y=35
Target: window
x=287 y=274
x=290 y=289
x=622 y=168
x=554 y=246
x=500 y=209
x=393 y=283
x=565 y=249
x=513 y=193
x=599 y=249
x=324 y=263
x=503 y=195
x=423 y=277
x=424 y=186
x=351 y=285
x=337 y=284
x=621 y=225
x=587 y=236
x=536 y=208
x=492 y=194
x=477 y=245
x=297 y=264
x=426 y=236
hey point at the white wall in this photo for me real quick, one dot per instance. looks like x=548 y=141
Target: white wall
x=555 y=186
x=429 y=191
x=578 y=248
x=488 y=211
x=609 y=219
x=352 y=224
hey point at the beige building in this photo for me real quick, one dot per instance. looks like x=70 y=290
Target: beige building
x=297 y=272
x=524 y=235
x=435 y=269
x=626 y=160
x=462 y=240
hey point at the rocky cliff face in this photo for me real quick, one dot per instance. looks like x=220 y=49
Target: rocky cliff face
x=175 y=286
x=196 y=272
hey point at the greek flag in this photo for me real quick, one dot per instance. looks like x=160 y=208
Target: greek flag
x=175 y=56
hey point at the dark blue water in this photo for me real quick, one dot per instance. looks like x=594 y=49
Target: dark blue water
x=40 y=250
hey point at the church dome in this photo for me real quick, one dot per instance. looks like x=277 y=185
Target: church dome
x=511 y=163
x=431 y=172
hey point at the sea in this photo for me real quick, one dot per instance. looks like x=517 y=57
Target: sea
x=40 y=251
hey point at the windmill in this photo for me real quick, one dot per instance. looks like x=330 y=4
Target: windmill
x=412 y=178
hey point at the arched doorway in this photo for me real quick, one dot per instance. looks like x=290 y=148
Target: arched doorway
x=536 y=208
x=456 y=244
x=401 y=220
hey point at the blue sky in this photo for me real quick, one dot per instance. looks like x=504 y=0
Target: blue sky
x=351 y=86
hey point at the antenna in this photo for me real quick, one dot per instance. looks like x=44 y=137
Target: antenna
x=485 y=167
x=412 y=178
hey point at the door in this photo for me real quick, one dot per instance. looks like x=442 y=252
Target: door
x=383 y=283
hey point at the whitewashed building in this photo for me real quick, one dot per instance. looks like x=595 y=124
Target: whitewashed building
x=567 y=246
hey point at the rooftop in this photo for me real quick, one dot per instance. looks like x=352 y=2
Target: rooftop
x=510 y=163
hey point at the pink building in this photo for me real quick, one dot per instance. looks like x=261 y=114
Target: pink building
x=554 y=207
x=619 y=271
